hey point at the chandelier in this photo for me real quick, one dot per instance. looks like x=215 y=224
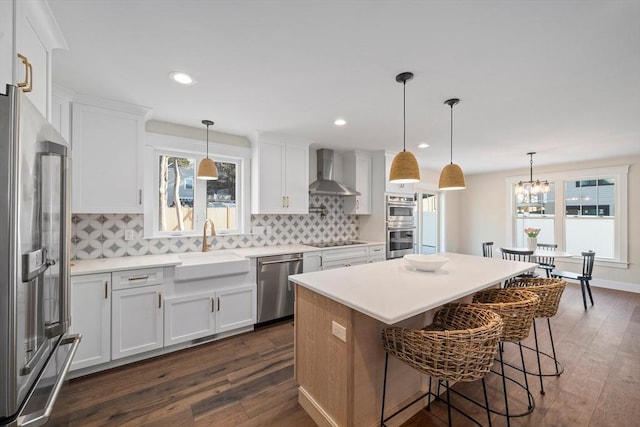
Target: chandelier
x=528 y=188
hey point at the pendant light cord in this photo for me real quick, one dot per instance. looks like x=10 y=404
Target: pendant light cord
x=531 y=167
x=207 y=141
x=451 y=133
x=404 y=116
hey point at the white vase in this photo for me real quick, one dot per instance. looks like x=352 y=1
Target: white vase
x=532 y=243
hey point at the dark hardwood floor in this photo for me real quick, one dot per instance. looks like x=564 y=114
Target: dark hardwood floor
x=247 y=380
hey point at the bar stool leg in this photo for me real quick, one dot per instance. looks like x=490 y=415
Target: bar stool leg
x=535 y=336
x=486 y=401
x=504 y=387
x=429 y=396
x=553 y=348
x=384 y=387
x=526 y=381
x=448 y=403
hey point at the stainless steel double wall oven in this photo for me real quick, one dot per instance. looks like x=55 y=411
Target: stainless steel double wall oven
x=401 y=225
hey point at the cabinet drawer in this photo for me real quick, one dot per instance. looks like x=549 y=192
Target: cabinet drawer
x=127 y=279
x=377 y=250
x=343 y=253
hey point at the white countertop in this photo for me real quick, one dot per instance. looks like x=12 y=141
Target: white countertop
x=105 y=265
x=391 y=291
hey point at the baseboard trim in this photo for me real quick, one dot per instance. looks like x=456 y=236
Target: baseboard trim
x=619 y=286
x=317 y=414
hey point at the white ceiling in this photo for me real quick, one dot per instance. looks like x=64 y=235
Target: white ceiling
x=558 y=77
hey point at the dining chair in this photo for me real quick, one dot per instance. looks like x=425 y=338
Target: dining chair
x=487 y=249
x=546 y=262
x=460 y=345
x=519 y=255
x=588 y=259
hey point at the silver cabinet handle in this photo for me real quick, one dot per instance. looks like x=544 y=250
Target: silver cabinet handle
x=132 y=278
x=106 y=289
x=218 y=303
x=213 y=304
x=159 y=299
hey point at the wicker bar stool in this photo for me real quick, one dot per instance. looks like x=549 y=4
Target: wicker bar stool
x=460 y=345
x=517 y=308
x=550 y=291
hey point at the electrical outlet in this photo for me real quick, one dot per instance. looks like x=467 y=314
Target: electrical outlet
x=339 y=331
x=258 y=230
x=128 y=235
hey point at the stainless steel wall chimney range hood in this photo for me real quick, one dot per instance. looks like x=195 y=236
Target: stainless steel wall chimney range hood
x=325 y=183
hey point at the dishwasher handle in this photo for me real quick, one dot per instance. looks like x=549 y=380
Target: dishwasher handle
x=283 y=261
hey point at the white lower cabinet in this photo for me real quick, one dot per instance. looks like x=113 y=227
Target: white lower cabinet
x=189 y=317
x=311 y=261
x=91 y=317
x=237 y=307
x=137 y=319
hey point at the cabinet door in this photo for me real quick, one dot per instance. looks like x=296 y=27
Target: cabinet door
x=137 y=321
x=189 y=317
x=237 y=307
x=91 y=317
x=297 y=179
x=6 y=44
x=272 y=177
x=357 y=175
x=30 y=45
x=107 y=174
x=37 y=35
x=312 y=261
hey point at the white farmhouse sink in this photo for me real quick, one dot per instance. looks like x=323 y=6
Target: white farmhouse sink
x=202 y=265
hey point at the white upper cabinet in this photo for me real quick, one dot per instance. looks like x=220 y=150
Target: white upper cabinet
x=37 y=35
x=6 y=44
x=107 y=143
x=391 y=187
x=280 y=176
x=357 y=175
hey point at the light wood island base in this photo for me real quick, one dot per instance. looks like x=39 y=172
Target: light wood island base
x=340 y=382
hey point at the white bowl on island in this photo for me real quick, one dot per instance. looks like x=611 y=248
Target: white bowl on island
x=424 y=262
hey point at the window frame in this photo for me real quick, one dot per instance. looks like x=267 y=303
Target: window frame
x=161 y=144
x=619 y=173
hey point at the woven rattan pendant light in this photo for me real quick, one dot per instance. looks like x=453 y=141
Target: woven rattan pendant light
x=404 y=168
x=207 y=168
x=451 y=177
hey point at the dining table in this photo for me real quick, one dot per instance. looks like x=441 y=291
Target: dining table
x=543 y=252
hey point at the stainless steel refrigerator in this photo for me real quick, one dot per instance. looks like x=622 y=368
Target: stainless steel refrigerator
x=35 y=349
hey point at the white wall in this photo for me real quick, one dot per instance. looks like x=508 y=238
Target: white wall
x=483 y=215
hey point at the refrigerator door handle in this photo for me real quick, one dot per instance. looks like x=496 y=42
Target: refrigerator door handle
x=41 y=417
x=53 y=149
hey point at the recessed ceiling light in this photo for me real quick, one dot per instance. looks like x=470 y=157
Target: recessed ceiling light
x=182 y=78
x=423 y=145
x=340 y=122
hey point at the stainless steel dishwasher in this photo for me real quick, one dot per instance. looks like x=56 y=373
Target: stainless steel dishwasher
x=275 y=292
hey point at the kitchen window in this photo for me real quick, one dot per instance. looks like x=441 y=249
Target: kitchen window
x=591 y=213
x=177 y=203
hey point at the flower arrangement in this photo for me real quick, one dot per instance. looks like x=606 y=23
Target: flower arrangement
x=532 y=232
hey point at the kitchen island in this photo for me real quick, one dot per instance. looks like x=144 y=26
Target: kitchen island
x=339 y=316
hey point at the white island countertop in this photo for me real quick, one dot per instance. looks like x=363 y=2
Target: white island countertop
x=391 y=291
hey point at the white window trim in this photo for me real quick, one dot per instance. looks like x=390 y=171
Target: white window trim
x=184 y=147
x=621 y=175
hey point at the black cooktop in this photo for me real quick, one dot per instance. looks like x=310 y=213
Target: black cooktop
x=336 y=243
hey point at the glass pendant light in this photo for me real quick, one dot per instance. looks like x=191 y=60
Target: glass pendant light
x=451 y=177
x=207 y=168
x=527 y=188
x=404 y=168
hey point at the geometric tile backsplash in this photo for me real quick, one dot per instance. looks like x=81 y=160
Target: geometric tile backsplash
x=102 y=235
